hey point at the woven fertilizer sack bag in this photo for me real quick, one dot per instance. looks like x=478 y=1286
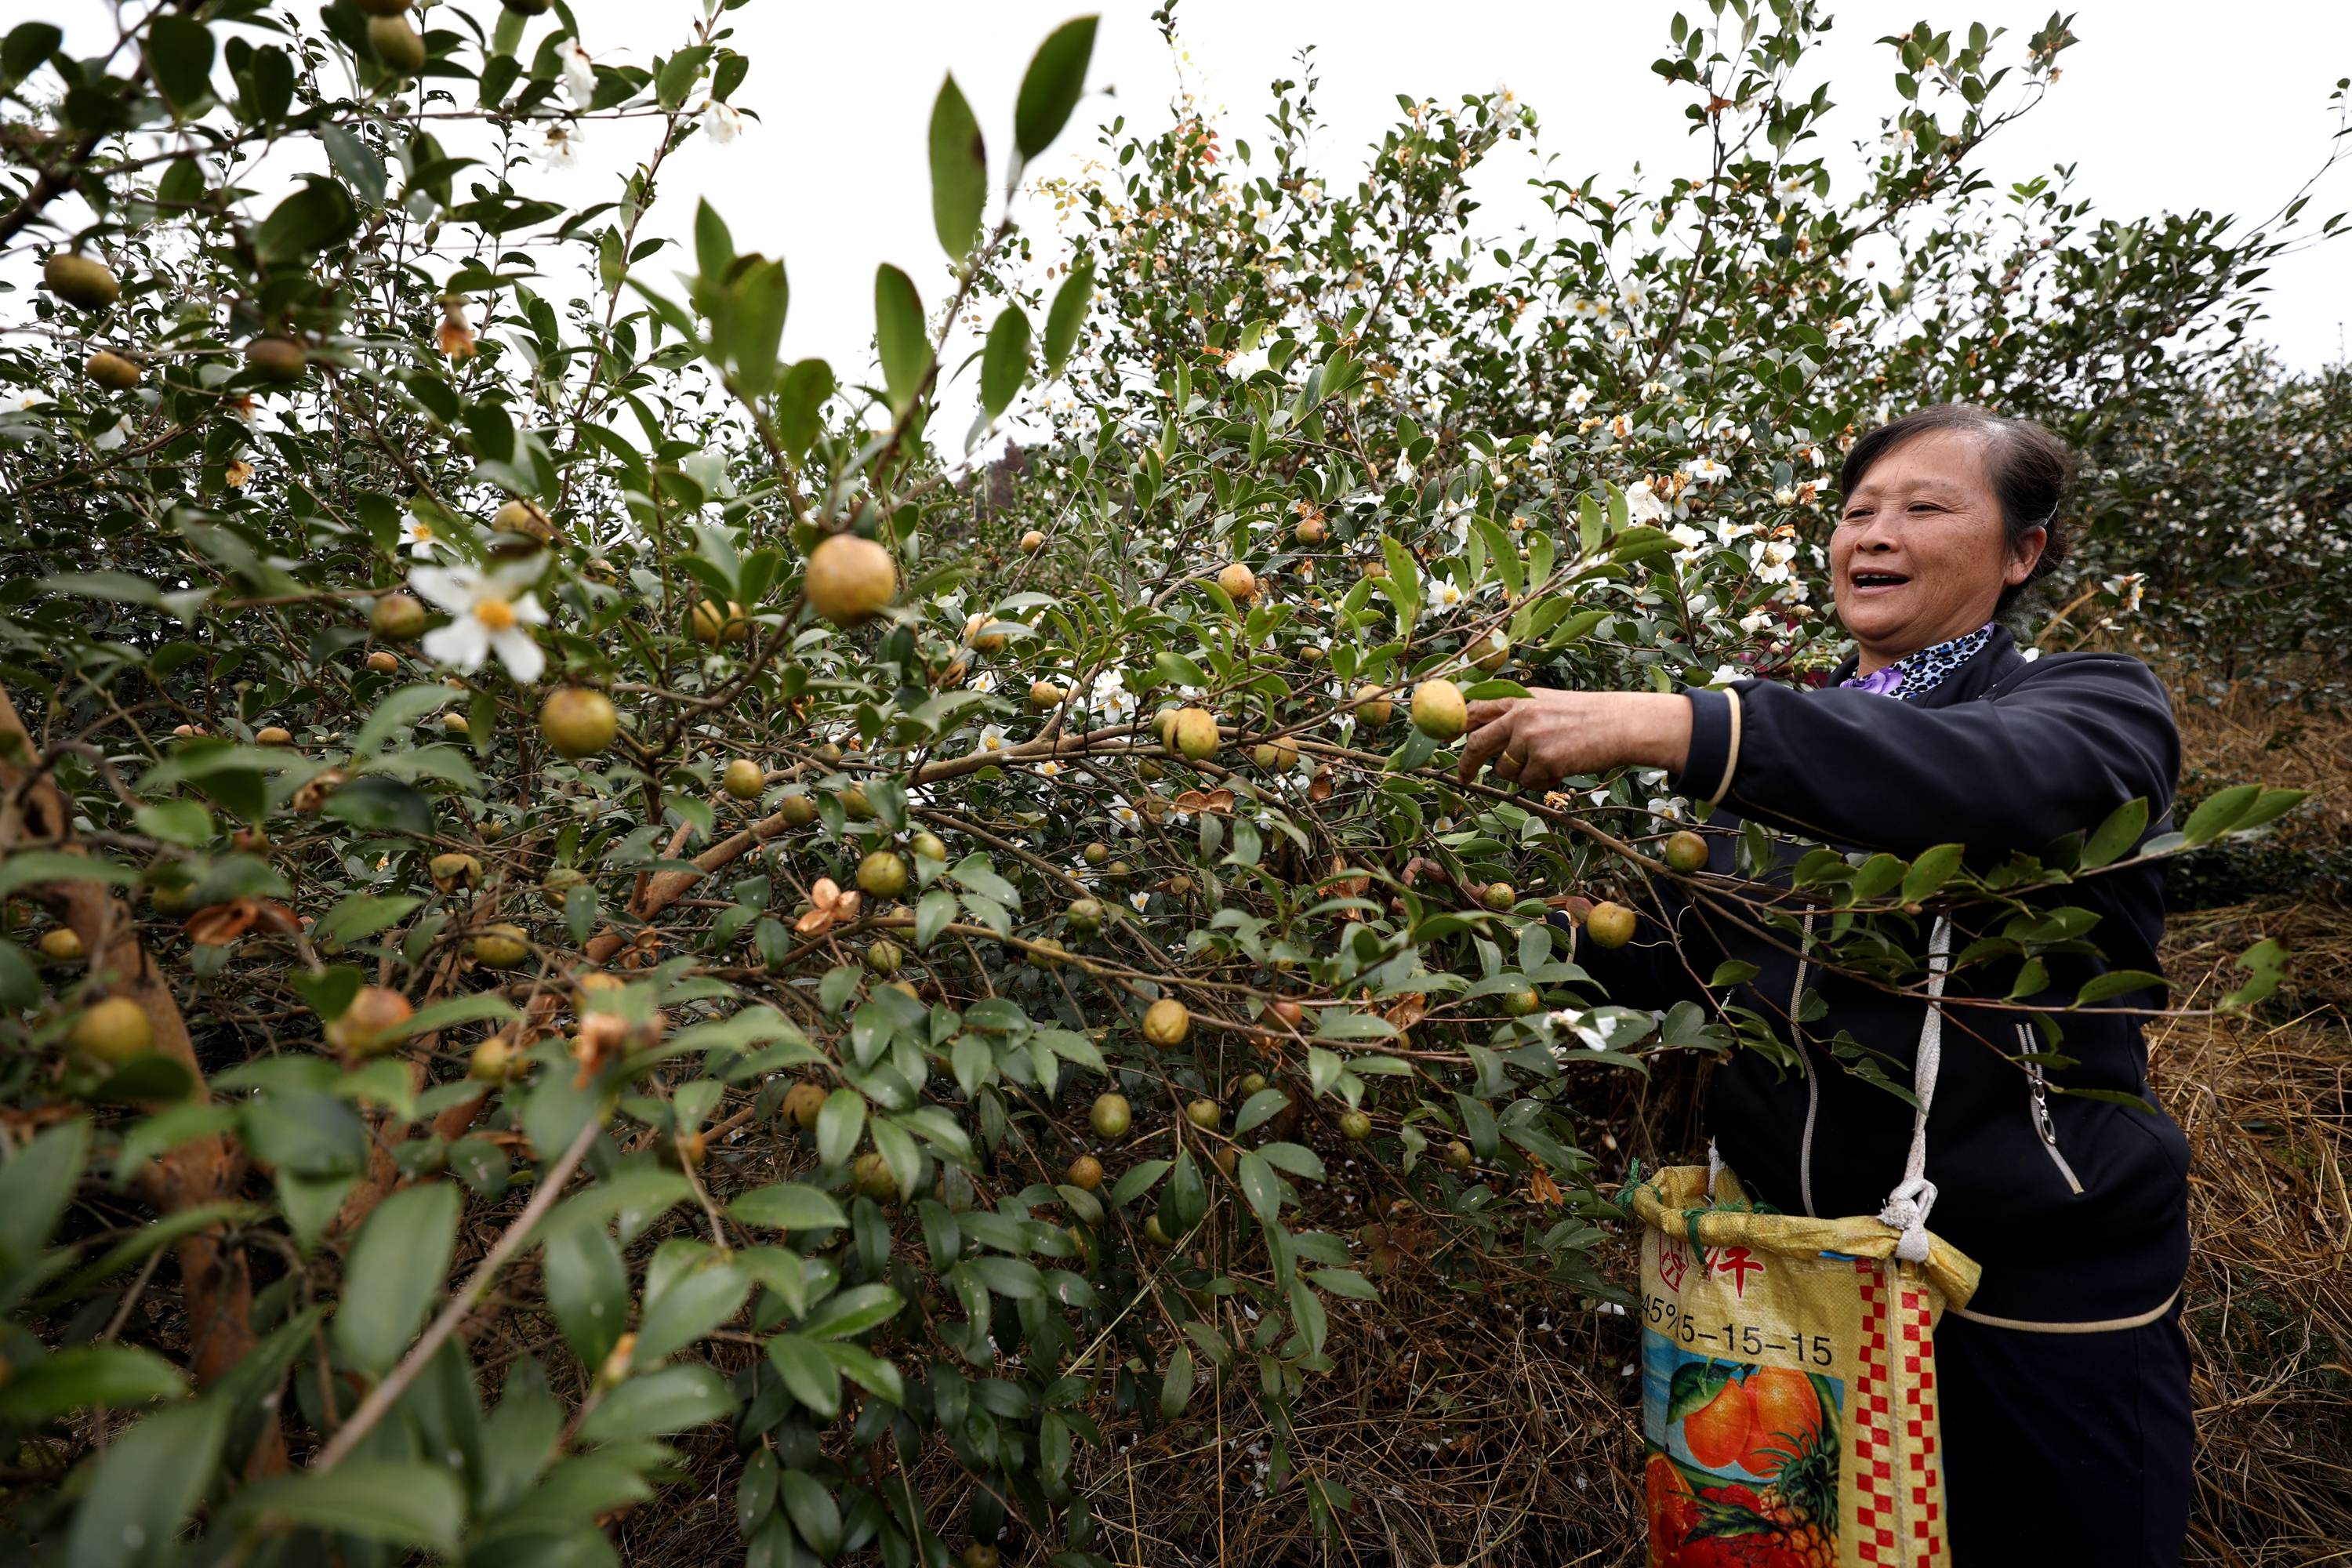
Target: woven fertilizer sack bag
x=1787 y=1367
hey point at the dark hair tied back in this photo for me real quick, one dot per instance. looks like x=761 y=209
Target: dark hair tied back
x=2029 y=468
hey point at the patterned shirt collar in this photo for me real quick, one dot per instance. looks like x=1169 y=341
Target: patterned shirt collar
x=1915 y=675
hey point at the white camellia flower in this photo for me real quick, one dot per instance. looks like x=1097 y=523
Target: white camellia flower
x=579 y=73
x=1724 y=674
x=1242 y=366
x=1642 y=502
x=1577 y=398
x=416 y=536
x=1693 y=543
x=561 y=150
x=721 y=123
x=491 y=610
x=1705 y=470
x=992 y=739
x=1125 y=817
x=1403 y=470
x=1138 y=900
x=1755 y=621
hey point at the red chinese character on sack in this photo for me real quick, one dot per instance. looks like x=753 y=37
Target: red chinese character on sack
x=1739 y=1263
x=1673 y=1262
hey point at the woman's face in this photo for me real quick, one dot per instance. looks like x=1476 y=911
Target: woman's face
x=1920 y=555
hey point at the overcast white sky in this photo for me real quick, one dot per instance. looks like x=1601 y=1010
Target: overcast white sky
x=2166 y=104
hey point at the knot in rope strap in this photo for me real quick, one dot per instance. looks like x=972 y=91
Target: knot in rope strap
x=1907 y=1205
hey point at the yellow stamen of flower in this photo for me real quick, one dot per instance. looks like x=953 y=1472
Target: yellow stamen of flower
x=495 y=613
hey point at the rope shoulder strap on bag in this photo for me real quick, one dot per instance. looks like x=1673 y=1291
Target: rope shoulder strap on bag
x=1909 y=1204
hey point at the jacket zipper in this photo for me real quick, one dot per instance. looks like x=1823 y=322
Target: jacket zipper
x=2045 y=1124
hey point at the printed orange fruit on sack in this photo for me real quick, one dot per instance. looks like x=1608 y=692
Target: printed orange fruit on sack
x=1717 y=1432
x=1667 y=1502
x=1784 y=1418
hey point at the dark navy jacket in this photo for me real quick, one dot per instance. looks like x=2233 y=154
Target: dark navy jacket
x=2076 y=1208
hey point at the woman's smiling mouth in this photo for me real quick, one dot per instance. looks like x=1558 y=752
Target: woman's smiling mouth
x=1876 y=582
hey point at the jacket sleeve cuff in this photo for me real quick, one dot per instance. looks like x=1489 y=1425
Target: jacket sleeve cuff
x=1714 y=755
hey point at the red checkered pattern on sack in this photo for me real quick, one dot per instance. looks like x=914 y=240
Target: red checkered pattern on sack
x=1919 y=1414
x=1871 y=1422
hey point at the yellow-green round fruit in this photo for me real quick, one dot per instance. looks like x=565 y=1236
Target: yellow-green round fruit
x=828 y=753
x=1457 y=1154
x=375 y=1021
x=802 y=1103
x=1193 y=734
x=501 y=946
x=978 y=1556
x=872 y=1177
x=1278 y=756
x=1087 y=1171
x=1609 y=925
x=1522 y=1002
x=1111 y=1116
x=78 y=281
x=111 y=370
x=1032 y=542
x=1239 y=582
x=1687 y=852
x=1045 y=694
x=1499 y=896
x=397 y=617
x=61 y=944
x=853 y=804
x=1311 y=531
x=400 y=46
x=885 y=956
x=522 y=516
x=113 y=1031
x=1165 y=1022
x=560 y=880
x=578 y=722
x=276 y=358
x=711 y=624
x=744 y=779
x=1085 y=915
x=1492 y=652
x=849 y=579
x=883 y=874
x=1438 y=710
x=456 y=724
x=384 y=661
x=273 y=736
x=1373 y=710
x=978 y=633
x=1147 y=771
x=798 y=810
x=1156 y=1233
x=1047 y=953
x=927 y=846
x=1251 y=1083
x=494 y=1060
x=1355 y=1126
x=1205 y=1114
x=454 y=869
x=1095 y=854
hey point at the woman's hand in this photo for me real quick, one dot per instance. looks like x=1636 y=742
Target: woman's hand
x=1538 y=739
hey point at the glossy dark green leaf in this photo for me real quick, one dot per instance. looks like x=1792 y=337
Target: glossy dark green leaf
x=1051 y=88
x=959 y=170
x=395 y=1274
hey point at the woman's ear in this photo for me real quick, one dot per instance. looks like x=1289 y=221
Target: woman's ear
x=2028 y=553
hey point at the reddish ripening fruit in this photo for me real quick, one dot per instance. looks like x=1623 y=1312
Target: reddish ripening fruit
x=373 y=1023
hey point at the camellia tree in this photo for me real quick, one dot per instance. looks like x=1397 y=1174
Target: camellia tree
x=522 y=810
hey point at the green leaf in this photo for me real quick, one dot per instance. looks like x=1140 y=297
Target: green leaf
x=381 y=804
x=1051 y=88
x=1176 y=1383
x=305 y=223
x=852 y=1312
x=27 y=47
x=2116 y=982
x=2266 y=963
x=2274 y=803
x=900 y=338
x=808 y=1502
x=31 y=868
x=687 y=1310
x=401 y=1502
x=77 y=1379
x=1005 y=365
x=587 y=1287
x=2220 y=812
x=1260 y=1185
x=959 y=170
x=808 y=1373
x=395 y=1273
x=1930 y=872
x=659 y=1402
x=2115 y=836
x=801 y=404
x=151 y=1479
x=356 y=160
x=788 y=1205
x=714 y=248
x=1068 y=315
x=1344 y=1282
x=180 y=57
x=35 y=1186
x=364 y=914
x=839 y=1125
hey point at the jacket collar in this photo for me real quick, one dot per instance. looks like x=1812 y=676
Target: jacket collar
x=1991 y=664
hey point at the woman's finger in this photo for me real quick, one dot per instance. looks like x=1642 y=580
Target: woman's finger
x=1485 y=741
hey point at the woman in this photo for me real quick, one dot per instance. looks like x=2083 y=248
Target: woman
x=2067 y=1416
